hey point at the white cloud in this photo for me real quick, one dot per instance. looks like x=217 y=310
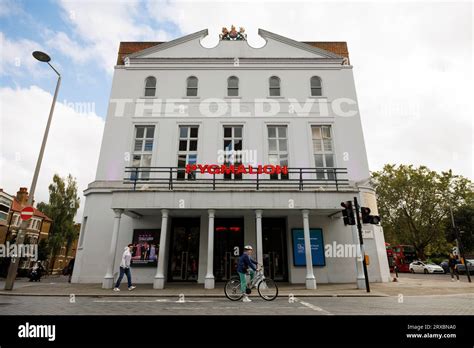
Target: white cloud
x=61 y=42
x=73 y=143
x=8 y=8
x=102 y=25
x=16 y=58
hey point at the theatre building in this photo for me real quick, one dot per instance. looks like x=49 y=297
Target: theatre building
x=206 y=150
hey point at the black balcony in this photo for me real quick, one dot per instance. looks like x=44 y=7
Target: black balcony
x=173 y=178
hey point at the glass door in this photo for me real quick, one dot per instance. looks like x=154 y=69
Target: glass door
x=228 y=245
x=184 y=250
x=275 y=259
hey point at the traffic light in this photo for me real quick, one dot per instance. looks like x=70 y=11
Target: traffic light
x=375 y=220
x=348 y=213
x=367 y=218
x=365 y=215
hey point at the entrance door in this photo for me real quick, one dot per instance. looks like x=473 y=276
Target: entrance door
x=228 y=245
x=275 y=259
x=184 y=249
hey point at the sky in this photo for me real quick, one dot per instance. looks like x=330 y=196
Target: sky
x=413 y=69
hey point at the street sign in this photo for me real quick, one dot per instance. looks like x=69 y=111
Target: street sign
x=367 y=234
x=26 y=213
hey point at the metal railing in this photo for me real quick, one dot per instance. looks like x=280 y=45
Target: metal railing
x=177 y=178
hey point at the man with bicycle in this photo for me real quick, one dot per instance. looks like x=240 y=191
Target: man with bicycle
x=246 y=264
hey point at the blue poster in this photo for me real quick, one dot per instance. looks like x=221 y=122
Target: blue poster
x=317 y=247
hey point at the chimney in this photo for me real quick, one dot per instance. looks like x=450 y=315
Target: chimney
x=22 y=196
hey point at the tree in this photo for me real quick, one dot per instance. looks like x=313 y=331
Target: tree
x=414 y=204
x=62 y=207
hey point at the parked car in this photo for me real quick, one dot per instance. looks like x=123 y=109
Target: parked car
x=445 y=266
x=462 y=268
x=425 y=267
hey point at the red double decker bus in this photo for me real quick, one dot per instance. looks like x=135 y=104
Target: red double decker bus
x=401 y=256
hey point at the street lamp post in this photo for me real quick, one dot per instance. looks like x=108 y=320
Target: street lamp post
x=12 y=270
x=459 y=243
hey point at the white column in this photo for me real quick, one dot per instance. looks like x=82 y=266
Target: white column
x=358 y=259
x=310 y=279
x=258 y=216
x=108 y=281
x=209 y=280
x=159 y=281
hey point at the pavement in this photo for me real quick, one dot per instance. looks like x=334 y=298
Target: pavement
x=444 y=305
x=412 y=294
x=407 y=285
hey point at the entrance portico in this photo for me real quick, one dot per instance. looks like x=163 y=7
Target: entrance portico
x=220 y=235
x=200 y=235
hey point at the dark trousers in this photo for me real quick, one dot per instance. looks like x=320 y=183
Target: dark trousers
x=453 y=271
x=125 y=271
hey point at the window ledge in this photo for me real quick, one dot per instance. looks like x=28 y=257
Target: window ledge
x=318 y=97
x=275 y=97
x=143 y=97
x=236 y=97
x=189 y=97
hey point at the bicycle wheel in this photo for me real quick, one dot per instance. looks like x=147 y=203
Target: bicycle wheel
x=232 y=290
x=268 y=289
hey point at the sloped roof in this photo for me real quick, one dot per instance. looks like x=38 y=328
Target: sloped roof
x=17 y=207
x=337 y=47
x=129 y=47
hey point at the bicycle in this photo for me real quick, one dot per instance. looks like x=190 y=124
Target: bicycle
x=266 y=287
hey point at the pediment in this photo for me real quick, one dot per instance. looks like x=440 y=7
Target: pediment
x=276 y=46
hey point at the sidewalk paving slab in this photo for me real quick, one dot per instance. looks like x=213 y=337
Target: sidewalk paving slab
x=57 y=286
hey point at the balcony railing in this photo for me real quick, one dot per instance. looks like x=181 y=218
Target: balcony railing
x=297 y=179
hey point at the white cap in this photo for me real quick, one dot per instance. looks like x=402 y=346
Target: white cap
x=248 y=247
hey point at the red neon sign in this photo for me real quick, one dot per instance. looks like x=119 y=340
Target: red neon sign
x=231 y=228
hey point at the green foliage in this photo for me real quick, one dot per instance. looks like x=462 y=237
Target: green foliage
x=62 y=207
x=436 y=260
x=414 y=205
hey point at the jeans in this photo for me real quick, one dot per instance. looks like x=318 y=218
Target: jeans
x=125 y=271
x=243 y=280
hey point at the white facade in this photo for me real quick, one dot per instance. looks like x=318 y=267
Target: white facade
x=114 y=209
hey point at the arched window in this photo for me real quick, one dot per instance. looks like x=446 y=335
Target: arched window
x=150 y=86
x=192 y=86
x=233 y=86
x=316 y=87
x=274 y=86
